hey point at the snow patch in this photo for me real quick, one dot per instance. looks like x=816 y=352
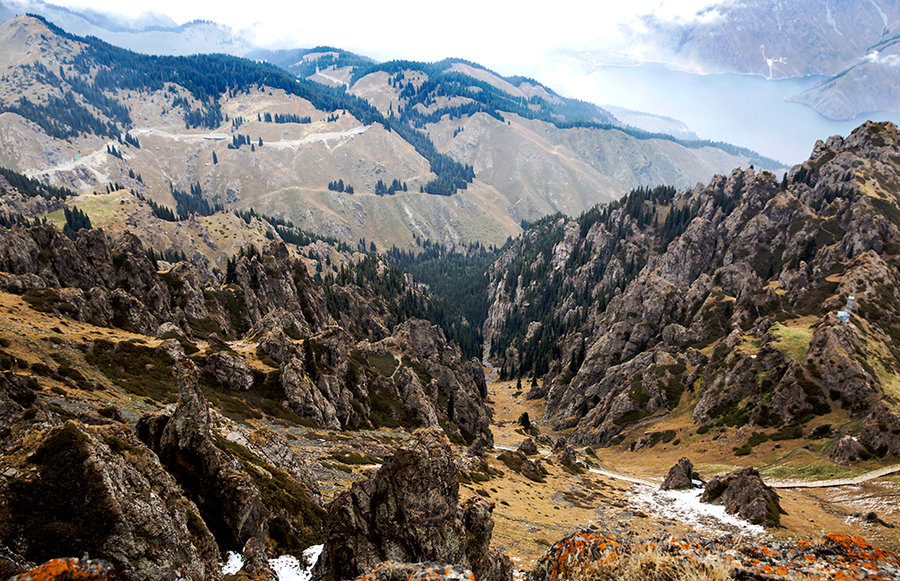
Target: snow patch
x=685 y=506
x=289 y=568
x=286 y=567
x=884 y=17
x=233 y=563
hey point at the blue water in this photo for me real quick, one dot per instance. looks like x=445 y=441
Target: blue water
x=741 y=109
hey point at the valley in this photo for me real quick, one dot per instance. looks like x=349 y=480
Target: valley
x=318 y=317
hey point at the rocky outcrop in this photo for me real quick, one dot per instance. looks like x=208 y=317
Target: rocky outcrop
x=449 y=378
x=409 y=512
x=228 y=501
x=413 y=378
x=122 y=507
x=229 y=370
x=114 y=283
x=881 y=431
x=528 y=447
x=680 y=476
x=250 y=504
x=745 y=494
x=847 y=451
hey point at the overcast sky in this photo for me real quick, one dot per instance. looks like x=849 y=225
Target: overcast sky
x=503 y=35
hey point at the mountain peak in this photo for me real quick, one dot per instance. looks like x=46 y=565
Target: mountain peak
x=27 y=39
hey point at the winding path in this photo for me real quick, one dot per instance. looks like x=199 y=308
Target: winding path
x=885 y=471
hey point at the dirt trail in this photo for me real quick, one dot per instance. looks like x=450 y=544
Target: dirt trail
x=885 y=471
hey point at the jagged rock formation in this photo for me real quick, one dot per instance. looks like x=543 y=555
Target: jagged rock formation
x=184 y=443
x=392 y=372
x=744 y=494
x=409 y=512
x=729 y=291
x=411 y=378
x=128 y=512
x=603 y=556
x=238 y=505
x=680 y=476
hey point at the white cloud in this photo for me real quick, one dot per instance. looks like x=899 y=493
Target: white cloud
x=502 y=34
x=891 y=60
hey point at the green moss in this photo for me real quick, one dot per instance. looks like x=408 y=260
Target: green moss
x=262 y=399
x=792 y=341
x=297 y=522
x=137 y=369
x=386 y=410
x=120 y=446
x=47 y=300
x=631 y=417
x=788 y=433
x=65 y=509
x=743 y=450
x=384 y=363
x=414 y=364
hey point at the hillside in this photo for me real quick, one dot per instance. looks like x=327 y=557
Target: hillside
x=715 y=310
x=253 y=136
x=868 y=85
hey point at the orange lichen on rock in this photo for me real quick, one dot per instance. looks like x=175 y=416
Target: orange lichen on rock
x=68 y=570
x=390 y=571
x=598 y=557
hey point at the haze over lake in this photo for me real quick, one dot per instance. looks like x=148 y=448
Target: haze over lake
x=742 y=109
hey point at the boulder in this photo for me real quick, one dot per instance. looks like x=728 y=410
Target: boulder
x=744 y=494
x=70 y=569
x=229 y=370
x=409 y=512
x=528 y=447
x=847 y=451
x=565 y=452
x=680 y=476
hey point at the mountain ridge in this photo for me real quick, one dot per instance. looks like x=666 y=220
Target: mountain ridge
x=83 y=114
x=708 y=280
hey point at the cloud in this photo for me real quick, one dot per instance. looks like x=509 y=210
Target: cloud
x=875 y=57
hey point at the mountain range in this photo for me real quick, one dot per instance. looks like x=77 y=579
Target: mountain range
x=253 y=136
x=308 y=315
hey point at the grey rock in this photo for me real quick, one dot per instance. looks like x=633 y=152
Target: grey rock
x=744 y=494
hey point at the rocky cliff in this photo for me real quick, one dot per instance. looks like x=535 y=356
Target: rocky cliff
x=727 y=295
x=409 y=512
